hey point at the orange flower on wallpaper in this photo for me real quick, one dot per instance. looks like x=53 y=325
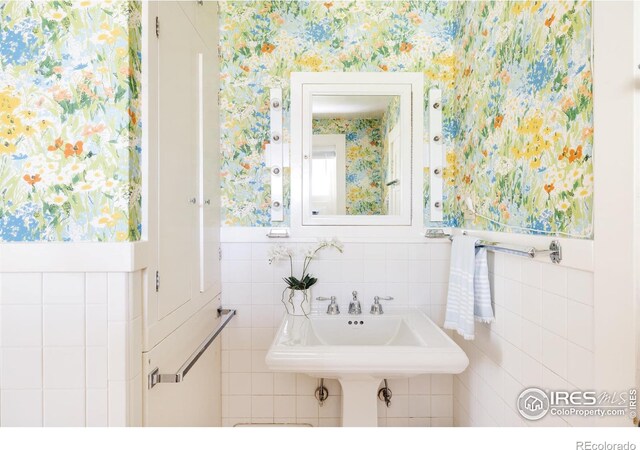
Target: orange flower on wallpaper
x=406 y=47
x=549 y=187
x=571 y=154
x=584 y=91
x=497 y=122
x=89 y=130
x=245 y=68
x=328 y=5
x=567 y=103
x=587 y=132
x=550 y=20
x=267 y=48
x=70 y=149
x=32 y=179
x=132 y=115
x=575 y=154
x=56 y=145
x=383 y=67
x=564 y=154
x=415 y=18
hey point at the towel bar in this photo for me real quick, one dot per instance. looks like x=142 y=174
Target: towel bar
x=555 y=249
x=156 y=377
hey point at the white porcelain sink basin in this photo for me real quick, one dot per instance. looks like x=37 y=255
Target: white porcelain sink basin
x=361 y=351
x=374 y=331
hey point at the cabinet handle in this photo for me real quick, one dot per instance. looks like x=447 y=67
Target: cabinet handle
x=193 y=201
x=208 y=201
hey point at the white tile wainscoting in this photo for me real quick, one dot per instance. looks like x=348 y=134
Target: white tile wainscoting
x=413 y=273
x=70 y=349
x=543 y=336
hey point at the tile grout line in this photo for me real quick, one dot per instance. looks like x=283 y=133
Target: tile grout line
x=86 y=358
x=42 y=368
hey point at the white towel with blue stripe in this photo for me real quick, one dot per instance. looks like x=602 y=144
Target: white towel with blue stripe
x=469 y=296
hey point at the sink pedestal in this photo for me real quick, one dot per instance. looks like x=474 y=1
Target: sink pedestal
x=359 y=401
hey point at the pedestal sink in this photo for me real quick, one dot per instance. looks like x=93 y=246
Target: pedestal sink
x=360 y=351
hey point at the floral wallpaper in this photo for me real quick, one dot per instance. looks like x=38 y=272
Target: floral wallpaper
x=262 y=42
x=70 y=121
x=365 y=172
x=522 y=121
x=516 y=80
x=516 y=83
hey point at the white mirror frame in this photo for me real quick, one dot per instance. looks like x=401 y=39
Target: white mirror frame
x=407 y=85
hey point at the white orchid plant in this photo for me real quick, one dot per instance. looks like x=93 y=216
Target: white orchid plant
x=305 y=281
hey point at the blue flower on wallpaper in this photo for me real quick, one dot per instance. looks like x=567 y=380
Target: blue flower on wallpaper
x=540 y=226
x=21 y=225
x=19 y=44
x=541 y=72
x=451 y=127
x=318 y=32
x=451 y=29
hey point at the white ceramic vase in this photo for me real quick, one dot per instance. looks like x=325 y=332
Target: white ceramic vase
x=297 y=302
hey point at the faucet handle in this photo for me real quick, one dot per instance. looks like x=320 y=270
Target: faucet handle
x=333 y=308
x=376 y=307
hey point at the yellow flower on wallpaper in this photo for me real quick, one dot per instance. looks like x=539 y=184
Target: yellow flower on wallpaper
x=311 y=62
x=109 y=33
x=535 y=163
x=8 y=101
x=7 y=147
x=531 y=125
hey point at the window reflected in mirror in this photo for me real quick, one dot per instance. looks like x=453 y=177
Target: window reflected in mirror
x=355 y=160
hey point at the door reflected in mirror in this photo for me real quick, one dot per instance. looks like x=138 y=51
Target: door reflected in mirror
x=356 y=163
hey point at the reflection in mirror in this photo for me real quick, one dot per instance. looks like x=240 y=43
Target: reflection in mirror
x=355 y=158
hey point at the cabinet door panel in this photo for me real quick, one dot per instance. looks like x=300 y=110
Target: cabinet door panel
x=177 y=128
x=209 y=217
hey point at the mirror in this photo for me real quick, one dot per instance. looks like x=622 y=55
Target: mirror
x=353 y=161
x=355 y=155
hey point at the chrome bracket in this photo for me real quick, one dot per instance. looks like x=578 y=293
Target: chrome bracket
x=555 y=252
x=278 y=233
x=156 y=377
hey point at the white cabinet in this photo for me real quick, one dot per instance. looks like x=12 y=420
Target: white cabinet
x=183 y=119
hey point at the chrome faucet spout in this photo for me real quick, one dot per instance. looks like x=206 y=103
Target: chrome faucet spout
x=354 y=306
